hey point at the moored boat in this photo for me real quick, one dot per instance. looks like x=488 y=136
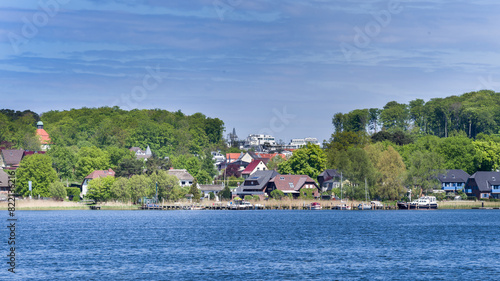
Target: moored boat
x=315 y=206
x=364 y=206
x=424 y=202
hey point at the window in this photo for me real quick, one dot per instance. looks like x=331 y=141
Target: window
x=484 y=195
x=290 y=184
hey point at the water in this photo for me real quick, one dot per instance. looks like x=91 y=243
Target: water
x=255 y=245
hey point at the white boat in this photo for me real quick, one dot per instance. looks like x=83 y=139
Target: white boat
x=364 y=206
x=377 y=205
x=424 y=202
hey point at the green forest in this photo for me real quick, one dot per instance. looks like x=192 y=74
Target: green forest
x=394 y=148
x=408 y=145
x=88 y=139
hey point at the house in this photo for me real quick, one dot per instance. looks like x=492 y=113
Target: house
x=94 y=175
x=4 y=182
x=329 y=179
x=483 y=185
x=218 y=157
x=453 y=180
x=248 y=157
x=43 y=136
x=185 y=179
x=293 y=184
x=141 y=154
x=256 y=184
x=12 y=157
x=205 y=190
x=256 y=165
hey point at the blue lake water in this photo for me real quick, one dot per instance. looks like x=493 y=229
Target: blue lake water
x=255 y=245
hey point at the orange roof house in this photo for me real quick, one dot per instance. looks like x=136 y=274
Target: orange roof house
x=43 y=136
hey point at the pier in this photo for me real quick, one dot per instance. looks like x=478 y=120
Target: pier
x=260 y=206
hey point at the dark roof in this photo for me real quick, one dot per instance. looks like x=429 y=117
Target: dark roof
x=258 y=180
x=12 y=156
x=253 y=154
x=454 y=176
x=4 y=179
x=327 y=175
x=485 y=180
x=330 y=173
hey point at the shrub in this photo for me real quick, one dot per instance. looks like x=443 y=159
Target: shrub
x=211 y=195
x=277 y=194
x=73 y=193
x=256 y=198
x=248 y=197
x=57 y=190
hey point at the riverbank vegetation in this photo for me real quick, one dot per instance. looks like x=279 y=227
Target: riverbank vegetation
x=388 y=150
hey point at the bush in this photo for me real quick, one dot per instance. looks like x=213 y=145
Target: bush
x=256 y=198
x=57 y=190
x=211 y=195
x=248 y=197
x=73 y=193
x=277 y=194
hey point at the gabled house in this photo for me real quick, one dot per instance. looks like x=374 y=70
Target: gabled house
x=293 y=184
x=94 y=175
x=205 y=190
x=185 y=178
x=4 y=182
x=256 y=184
x=12 y=157
x=329 y=179
x=483 y=185
x=141 y=154
x=453 y=180
x=256 y=165
x=248 y=157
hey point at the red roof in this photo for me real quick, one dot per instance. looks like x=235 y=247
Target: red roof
x=43 y=135
x=249 y=169
x=101 y=174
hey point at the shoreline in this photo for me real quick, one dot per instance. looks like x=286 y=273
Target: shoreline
x=49 y=205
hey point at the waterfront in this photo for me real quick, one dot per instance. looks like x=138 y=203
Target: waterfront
x=257 y=245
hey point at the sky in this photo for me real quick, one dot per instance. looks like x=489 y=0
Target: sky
x=276 y=67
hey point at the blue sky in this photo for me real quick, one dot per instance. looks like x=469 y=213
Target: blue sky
x=278 y=67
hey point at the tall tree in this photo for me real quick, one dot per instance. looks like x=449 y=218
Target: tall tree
x=36 y=168
x=310 y=160
x=394 y=116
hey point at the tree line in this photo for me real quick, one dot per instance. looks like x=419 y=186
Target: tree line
x=471 y=113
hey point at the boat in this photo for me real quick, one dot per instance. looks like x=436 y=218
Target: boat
x=364 y=206
x=343 y=206
x=377 y=205
x=315 y=206
x=424 y=202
